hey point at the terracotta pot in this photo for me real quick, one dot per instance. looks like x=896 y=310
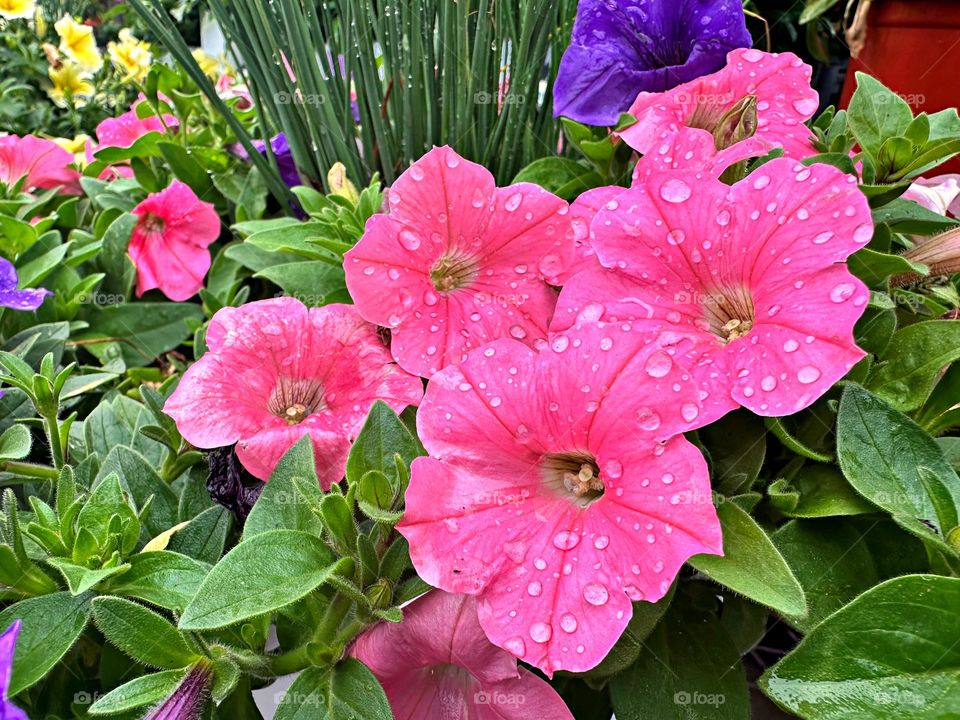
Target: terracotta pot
x=913 y=47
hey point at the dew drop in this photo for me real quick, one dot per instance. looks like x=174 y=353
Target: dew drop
x=566 y=540
x=842 y=292
x=808 y=374
x=658 y=364
x=513 y=202
x=409 y=240
x=568 y=623
x=540 y=632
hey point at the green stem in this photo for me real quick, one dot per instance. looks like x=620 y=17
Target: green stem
x=791 y=443
x=52 y=427
x=299 y=657
x=29 y=470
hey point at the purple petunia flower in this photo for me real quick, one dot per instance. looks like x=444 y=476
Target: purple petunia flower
x=8 y=642
x=285 y=164
x=15 y=299
x=620 y=48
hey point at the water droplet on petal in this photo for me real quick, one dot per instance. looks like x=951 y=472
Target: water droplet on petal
x=566 y=540
x=568 y=623
x=516 y=646
x=409 y=240
x=689 y=411
x=658 y=364
x=540 y=632
x=675 y=190
x=596 y=594
x=534 y=589
x=842 y=292
x=513 y=202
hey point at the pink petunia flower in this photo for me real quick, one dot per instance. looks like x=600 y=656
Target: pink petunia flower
x=276 y=371
x=42 y=162
x=939 y=194
x=438 y=664
x=170 y=240
x=126 y=129
x=552 y=491
x=754 y=271
x=458 y=262
x=758 y=102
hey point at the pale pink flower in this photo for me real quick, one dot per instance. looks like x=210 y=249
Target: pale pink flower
x=42 y=163
x=779 y=84
x=276 y=371
x=170 y=240
x=754 y=271
x=458 y=262
x=552 y=491
x=940 y=194
x=437 y=664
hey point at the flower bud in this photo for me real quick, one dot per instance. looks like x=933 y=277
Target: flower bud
x=187 y=700
x=736 y=124
x=339 y=184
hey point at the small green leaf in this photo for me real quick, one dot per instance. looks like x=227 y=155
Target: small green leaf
x=79 y=578
x=291 y=500
x=912 y=362
x=348 y=690
x=205 y=536
x=141 y=691
x=166 y=579
x=382 y=437
x=751 y=564
x=15 y=443
x=141 y=633
x=263 y=573
x=893 y=463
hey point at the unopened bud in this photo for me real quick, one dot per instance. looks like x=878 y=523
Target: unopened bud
x=339 y=184
x=940 y=253
x=736 y=124
x=187 y=700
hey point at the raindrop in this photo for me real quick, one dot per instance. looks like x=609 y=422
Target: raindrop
x=568 y=623
x=595 y=594
x=658 y=364
x=842 y=292
x=675 y=190
x=808 y=374
x=540 y=632
x=689 y=411
x=409 y=240
x=534 y=589
x=566 y=540
x=513 y=202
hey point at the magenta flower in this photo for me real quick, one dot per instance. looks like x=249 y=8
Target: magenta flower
x=42 y=163
x=760 y=98
x=169 y=243
x=582 y=212
x=187 y=700
x=438 y=664
x=754 y=271
x=552 y=491
x=276 y=371
x=8 y=642
x=458 y=262
x=11 y=297
x=622 y=47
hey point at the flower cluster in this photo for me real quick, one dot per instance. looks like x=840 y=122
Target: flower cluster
x=559 y=488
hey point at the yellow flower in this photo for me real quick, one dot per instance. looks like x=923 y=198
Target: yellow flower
x=70 y=84
x=16 y=9
x=78 y=43
x=209 y=65
x=39 y=22
x=76 y=146
x=131 y=56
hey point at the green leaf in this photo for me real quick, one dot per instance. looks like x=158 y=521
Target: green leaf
x=106 y=501
x=814 y=9
x=907 y=216
x=15 y=443
x=119 y=270
x=817 y=490
x=312 y=282
x=893 y=463
x=50 y=626
x=876 y=113
x=141 y=633
x=263 y=573
x=891 y=654
x=291 y=500
x=15 y=236
x=689 y=670
x=143 y=482
x=751 y=565
x=383 y=437
x=875 y=267
x=144 y=690
x=166 y=579
x=348 y=690
x=736 y=445
x=913 y=361
x=148 y=329
x=831 y=562
x=205 y=536
x=562 y=176
x=79 y=578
